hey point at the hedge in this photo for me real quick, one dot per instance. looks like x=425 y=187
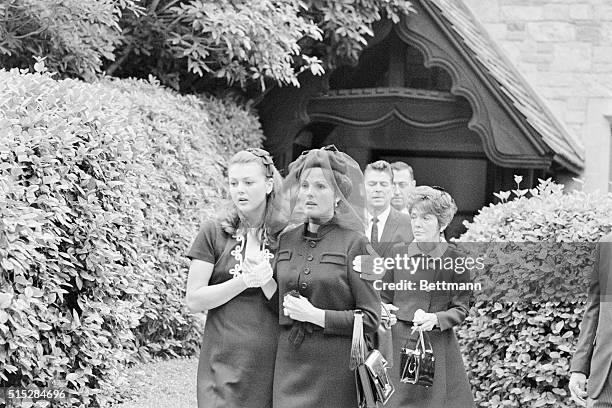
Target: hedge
x=102 y=188
x=518 y=352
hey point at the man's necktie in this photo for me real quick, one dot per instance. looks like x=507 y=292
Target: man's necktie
x=374 y=236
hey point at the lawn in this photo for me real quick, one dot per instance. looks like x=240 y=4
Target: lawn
x=162 y=384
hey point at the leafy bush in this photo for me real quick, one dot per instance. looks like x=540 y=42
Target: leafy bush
x=74 y=35
x=102 y=188
x=518 y=353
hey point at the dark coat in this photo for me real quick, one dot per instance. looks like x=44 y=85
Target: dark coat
x=315 y=372
x=236 y=367
x=451 y=387
x=593 y=355
x=397 y=229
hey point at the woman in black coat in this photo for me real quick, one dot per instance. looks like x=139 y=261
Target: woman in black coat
x=434 y=309
x=318 y=291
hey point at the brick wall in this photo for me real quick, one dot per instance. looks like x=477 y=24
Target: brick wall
x=564 y=49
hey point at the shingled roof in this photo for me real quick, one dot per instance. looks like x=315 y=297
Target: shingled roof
x=474 y=39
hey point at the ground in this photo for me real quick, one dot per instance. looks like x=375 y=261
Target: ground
x=162 y=384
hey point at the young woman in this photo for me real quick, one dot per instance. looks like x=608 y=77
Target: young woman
x=231 y=277
x=318 y=290
x=435 y=311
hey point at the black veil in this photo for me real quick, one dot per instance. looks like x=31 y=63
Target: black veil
x=343 y=175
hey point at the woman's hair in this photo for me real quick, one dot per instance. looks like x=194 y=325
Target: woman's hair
x=434 y=201
x=274 y=219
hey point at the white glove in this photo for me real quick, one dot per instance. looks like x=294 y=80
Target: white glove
x=256 y=275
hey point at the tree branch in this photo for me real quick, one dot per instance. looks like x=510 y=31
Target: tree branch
x=117 y=64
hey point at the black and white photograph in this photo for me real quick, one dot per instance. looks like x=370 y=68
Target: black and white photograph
x=306 y=203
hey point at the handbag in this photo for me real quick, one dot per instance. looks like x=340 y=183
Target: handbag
x=373 y=385
x=417 y=363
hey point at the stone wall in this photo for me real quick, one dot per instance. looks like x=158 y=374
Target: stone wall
x=564 y=50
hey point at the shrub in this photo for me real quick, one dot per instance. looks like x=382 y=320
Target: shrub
x=74 y=35
x=518 y=353
x=102 y=189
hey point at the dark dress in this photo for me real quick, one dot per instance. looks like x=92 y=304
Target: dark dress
x=236 y=364
x=312 y=363
x=451 y=387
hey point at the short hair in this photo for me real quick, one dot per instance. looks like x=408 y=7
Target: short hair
x=434 y=201
x=382 y=166
x=400 y=165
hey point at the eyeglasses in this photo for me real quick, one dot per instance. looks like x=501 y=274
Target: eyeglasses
x=330 y=148
x=265 y=158
x=439 y=188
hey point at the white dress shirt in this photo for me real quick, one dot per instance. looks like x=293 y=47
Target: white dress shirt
x=382 y=221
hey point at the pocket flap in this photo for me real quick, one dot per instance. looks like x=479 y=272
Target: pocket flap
x=334 y=257
x=283 y=255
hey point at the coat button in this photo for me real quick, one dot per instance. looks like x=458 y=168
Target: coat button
x=304 y=285
x=310 y=257
x=306 y=271
x=313 y=244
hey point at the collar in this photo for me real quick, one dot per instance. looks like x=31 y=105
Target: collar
x=382 y=217
x=437 y=252
x=321 y=232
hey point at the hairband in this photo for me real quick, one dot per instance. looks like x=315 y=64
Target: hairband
x=265 y=158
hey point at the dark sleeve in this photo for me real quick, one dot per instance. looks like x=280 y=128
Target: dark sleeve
x=581 y=361
x=389 y=276
x=459 y=305
x=203 y=247
x=366 y=297
x=273 y=303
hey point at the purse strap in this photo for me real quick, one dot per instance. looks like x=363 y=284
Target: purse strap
x=358 y=346
x=425 y=341
x=422 y=340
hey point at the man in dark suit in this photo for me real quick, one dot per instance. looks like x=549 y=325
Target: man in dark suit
x=593 y=356
x=385 y=225
x=403 y=183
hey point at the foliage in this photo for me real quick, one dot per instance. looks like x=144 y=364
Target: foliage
x=544 y=213
x=518 y=353
x=102 y=189
x=74 y=35
x=260 y=40
x=246 y=42
x=347 y=25
x=192 y=45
